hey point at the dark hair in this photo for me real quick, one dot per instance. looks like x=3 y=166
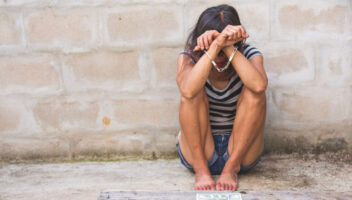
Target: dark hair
x=213 y=18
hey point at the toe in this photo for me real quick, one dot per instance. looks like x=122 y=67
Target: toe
x=213 y=187
x=209 y=187
x=234 y=186
x=218 y=186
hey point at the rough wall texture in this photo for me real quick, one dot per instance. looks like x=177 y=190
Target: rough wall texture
x=96 y=78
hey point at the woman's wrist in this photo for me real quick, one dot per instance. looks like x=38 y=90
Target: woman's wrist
x=213 y=50
x=228 y=49
x=216 y=46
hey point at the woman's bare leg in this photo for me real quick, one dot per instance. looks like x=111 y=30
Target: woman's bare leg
x=246 y=141
x=196 y=141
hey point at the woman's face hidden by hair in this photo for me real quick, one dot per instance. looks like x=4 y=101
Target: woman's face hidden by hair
x=213 y=18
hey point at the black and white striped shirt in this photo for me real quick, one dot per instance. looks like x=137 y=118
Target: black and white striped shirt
x=222 y=103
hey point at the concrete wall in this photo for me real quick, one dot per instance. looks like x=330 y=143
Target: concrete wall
x=96 y=78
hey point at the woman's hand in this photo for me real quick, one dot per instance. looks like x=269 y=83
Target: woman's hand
x=231 y=35
x=204 y=40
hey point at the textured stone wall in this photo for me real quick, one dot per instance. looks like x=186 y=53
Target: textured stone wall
x=96 y=78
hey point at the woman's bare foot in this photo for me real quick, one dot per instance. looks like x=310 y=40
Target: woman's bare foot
x=204 y=182
x=227 y=181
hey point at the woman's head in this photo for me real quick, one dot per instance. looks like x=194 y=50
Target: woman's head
x=213 y=18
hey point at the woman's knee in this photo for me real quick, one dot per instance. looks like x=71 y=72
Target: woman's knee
x=253 y=99
x=200 y=97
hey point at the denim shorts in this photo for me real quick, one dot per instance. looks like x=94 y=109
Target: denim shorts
x=219 y=157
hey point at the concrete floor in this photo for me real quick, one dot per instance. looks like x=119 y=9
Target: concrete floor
x=275 y=177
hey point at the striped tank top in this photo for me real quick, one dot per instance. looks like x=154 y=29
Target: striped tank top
x=222 y=103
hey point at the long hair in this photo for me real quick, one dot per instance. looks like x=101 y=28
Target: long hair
x=213 y=18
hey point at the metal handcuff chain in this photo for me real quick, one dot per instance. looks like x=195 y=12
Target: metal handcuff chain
x=227 y=64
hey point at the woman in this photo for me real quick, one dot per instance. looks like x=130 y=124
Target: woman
x=223 y=104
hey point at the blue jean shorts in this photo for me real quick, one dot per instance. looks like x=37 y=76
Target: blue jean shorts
x=219 y=157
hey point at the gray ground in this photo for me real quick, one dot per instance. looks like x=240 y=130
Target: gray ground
x=276 y=177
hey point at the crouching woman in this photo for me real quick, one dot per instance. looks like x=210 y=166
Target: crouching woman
x=223 y=104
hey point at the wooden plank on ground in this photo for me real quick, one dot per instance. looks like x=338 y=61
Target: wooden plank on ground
x=148 y=195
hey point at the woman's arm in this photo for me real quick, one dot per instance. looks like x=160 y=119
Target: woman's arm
x=191 y=78
x=251 y=72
